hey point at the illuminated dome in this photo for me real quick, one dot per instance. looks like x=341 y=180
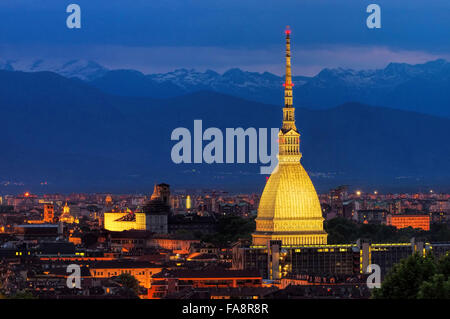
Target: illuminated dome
x=289 y=193
x=66 y=217
x=289 y=209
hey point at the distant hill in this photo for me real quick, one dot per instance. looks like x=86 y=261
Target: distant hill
x=78 y=138
x=421 y=88
x=82 y=69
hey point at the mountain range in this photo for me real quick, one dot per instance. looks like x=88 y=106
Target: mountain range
x=69 y=135
x=423 y=88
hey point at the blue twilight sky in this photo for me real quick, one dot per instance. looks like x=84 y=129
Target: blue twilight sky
x=162 y=35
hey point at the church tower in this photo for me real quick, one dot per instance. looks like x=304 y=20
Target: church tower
x=49 y=213
x=66 y=217
x=289 y=209
x=162 y=192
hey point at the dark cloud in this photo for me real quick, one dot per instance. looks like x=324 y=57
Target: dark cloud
x=218 y=34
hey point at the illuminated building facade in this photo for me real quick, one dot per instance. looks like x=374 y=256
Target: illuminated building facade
x=277 y=261
x=178 y=246
x=153 y=216
x=404 y=221
x=387 y=255
x=188 y=202
x=289 y=209
x=49 y=213
x=124 y=220
x=142 y=271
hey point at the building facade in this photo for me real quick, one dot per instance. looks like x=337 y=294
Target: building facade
x=406 y=220
x=152 y=217
x=277 y=261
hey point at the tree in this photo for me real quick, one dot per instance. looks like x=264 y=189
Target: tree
x=436 y=288
x=444 y=266
x=405 y=278
x=341 y=230
x=129 y=282
x=229 y=229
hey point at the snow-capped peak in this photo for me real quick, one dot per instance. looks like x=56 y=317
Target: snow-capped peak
x=82 y=69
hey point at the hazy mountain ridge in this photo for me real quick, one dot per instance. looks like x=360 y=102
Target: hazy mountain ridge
x=76 y=137
x=422 y=88
x=393 y=74
x=78 y=68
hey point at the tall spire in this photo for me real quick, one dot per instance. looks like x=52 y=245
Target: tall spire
x=288 y=110
x=288 y=83
x=156 y=193
x=289 y=138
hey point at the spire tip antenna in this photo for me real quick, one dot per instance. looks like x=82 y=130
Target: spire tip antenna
x=288 y=30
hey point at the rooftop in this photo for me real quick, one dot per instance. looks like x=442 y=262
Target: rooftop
x=210 y=273
x=112 y=264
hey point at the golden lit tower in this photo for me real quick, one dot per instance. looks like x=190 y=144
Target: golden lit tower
x=289 y=209
x=108 y=200
x=188 y=202
x=49 y=213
